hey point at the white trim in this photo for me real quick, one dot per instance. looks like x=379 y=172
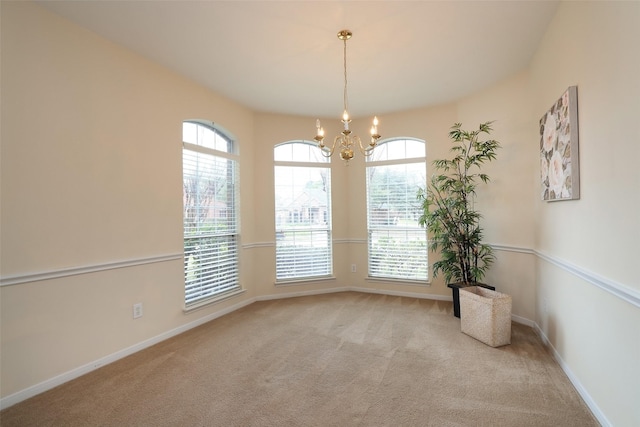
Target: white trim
x=303 y=280
x=259 y=245
x=522 y=320
x=302 y=164
x=341 y=241
x=510 y=248
x=623 y=292
x=74 y=271
x=629 y=295
x=273 y=244
x=213 y=151
x=400 y=293
x=353 y=289
x=392 y=162
x=588 y=400
x=213 y=300
x=517 y=319
x=85 y=369
x=357 y=241
x=301 y=294
x=408 y=282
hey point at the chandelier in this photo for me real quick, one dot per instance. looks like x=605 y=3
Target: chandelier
x=346 y=140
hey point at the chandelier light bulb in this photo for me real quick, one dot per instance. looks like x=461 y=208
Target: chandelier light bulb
x=320 y=130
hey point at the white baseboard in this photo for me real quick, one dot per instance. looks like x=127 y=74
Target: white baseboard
x=85 y=369
x=523 y=320
x=518 y=319
x=301 y=294
x=595 y=410
x=399 y=293
x=92 y=366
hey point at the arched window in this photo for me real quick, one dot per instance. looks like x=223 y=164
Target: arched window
x=302 y=179
x=210 y=211
x=397 y=243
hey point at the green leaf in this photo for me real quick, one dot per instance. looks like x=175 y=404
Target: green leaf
x=447 y=206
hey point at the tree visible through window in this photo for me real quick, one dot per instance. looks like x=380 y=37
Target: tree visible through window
x=303 y=212
x=209 y=213
x=397 y=243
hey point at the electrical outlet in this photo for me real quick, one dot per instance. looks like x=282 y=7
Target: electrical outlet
x=137 y=310
x=353 y=268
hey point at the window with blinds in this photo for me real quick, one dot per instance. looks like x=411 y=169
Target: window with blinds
x=397 y=243
x=210 y=211
x=303 y=212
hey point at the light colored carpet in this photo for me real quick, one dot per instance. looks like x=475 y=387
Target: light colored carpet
x=344 y=359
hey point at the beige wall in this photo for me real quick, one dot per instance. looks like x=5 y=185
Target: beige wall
x=91 y=176
x=592 y=243
x=507 y=203
x=91 y=171
x=594 y=45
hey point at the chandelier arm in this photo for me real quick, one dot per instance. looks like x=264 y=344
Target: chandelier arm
x=365 y=151
x=325 y=150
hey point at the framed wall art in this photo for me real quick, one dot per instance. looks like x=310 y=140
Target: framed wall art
x=559 y=162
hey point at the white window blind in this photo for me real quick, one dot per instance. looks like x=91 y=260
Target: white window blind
x=209 y=214
x=303 y=212
x=397 y=243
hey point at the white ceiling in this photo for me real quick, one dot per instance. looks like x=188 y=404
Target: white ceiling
x=285 y=57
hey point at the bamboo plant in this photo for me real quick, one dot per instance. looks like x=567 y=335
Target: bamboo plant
x=448 y=207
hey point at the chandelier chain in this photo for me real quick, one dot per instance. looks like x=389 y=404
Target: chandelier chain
x=346 y=94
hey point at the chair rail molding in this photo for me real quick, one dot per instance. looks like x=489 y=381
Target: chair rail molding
x=17 y=279
x=626 y=293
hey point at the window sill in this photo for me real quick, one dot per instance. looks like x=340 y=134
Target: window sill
x=213 y=300
x=408 y=282
x=293 y=282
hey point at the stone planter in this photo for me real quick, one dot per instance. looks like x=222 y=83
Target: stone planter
x=486 y=315
x=455 y=294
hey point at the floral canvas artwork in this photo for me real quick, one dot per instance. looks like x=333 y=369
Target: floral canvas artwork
x=559 y=172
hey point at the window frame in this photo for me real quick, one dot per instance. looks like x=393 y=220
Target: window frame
x=228 y=239
x=314 y=161
x=371 y=162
